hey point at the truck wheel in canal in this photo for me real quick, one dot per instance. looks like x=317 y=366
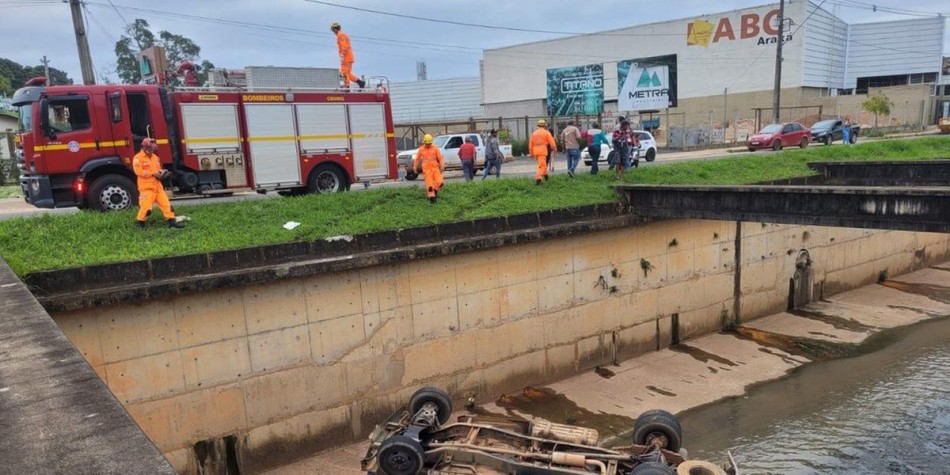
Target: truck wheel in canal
x=699 y=467
x=400 y=455
x=432 y=395
x=658 y=427
x=112 y=193
x=652 y=468
x=327 y=178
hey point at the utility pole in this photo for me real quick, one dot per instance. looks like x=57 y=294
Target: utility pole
x=45 y=62
x=777 y=94
x=82 y=42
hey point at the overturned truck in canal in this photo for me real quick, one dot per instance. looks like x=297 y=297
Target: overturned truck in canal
x=421 y=440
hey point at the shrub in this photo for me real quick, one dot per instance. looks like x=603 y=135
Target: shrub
x=519 y=148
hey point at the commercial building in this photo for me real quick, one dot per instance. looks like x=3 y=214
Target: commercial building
x=436 y=100
x=722 y=66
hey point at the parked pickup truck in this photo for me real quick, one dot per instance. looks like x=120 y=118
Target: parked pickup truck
x=450 y=152
x=828 y=131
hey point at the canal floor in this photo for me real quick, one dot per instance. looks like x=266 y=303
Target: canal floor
x=877 y=403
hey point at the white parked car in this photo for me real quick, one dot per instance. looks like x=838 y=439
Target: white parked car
x=450 y=145
x=647 y=149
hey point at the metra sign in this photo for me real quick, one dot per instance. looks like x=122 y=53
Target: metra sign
x=750 y=25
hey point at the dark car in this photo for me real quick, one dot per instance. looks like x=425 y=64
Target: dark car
x=827 y=131
x=776 y=136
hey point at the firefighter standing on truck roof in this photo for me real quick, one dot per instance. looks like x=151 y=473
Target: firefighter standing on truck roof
x=539 y=145
x=429 y=158
x=149 y=171
x=346 y=57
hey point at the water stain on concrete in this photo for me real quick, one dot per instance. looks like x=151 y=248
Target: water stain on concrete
x=555 y=407
x=934 y=292
x=604 y=372
x=835 y=321
x=701 y=355
x=810 y=348
x=917 y=310
x=782 y=356
x=661 y=391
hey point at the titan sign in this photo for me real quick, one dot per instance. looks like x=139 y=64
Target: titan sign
x=750 y=25
x=646 y=83
x=576 y=90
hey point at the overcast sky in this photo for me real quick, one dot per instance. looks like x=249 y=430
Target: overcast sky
x=296 y=32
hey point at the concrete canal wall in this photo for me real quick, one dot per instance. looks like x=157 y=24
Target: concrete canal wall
x=261 y=373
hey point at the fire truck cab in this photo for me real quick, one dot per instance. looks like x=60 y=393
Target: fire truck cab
x=76 y=143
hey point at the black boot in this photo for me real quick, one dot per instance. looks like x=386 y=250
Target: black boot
x=141 y=224
x=361 y=83
x=537 y=182
x=432 y=200
x=546 y=177
x=172 y=223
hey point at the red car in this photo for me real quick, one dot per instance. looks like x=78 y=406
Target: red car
x=776 y=136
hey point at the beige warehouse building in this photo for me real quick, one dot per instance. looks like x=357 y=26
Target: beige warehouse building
x=725 y=69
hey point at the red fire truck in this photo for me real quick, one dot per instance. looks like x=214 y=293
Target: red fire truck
x=76 y=143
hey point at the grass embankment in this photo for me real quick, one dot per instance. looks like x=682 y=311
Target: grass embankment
x=52 y=242
x=10 y=191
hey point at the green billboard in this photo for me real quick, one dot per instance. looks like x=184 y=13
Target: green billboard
x=576 y=90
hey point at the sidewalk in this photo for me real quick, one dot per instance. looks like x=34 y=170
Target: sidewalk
x=709 y=368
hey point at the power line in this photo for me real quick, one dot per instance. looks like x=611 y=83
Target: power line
x=443 y=48
x=485 y=26
x=884 y=9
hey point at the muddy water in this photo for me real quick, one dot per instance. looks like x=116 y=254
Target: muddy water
x=885 y=411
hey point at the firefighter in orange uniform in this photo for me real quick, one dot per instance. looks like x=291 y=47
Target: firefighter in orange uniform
x=539 y=145
x=346 y=57
x=429 y=158
x=148 y=169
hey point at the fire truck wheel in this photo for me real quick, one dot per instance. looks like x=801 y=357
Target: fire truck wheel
x=327 y=178
x=112 y=193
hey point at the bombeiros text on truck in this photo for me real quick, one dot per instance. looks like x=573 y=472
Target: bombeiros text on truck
x=76 y=142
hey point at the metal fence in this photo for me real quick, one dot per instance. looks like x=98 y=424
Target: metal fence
x=682 y=131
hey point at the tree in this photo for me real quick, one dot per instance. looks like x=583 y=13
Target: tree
x=138 y=36
x=6 y=88
x=13 y=75
x=878 y=104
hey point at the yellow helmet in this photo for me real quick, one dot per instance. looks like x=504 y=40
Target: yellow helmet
x=335 y=26
x=427 y=139
x=542 y=123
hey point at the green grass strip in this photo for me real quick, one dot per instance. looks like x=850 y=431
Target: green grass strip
x=53 y=242
x=11 y=191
